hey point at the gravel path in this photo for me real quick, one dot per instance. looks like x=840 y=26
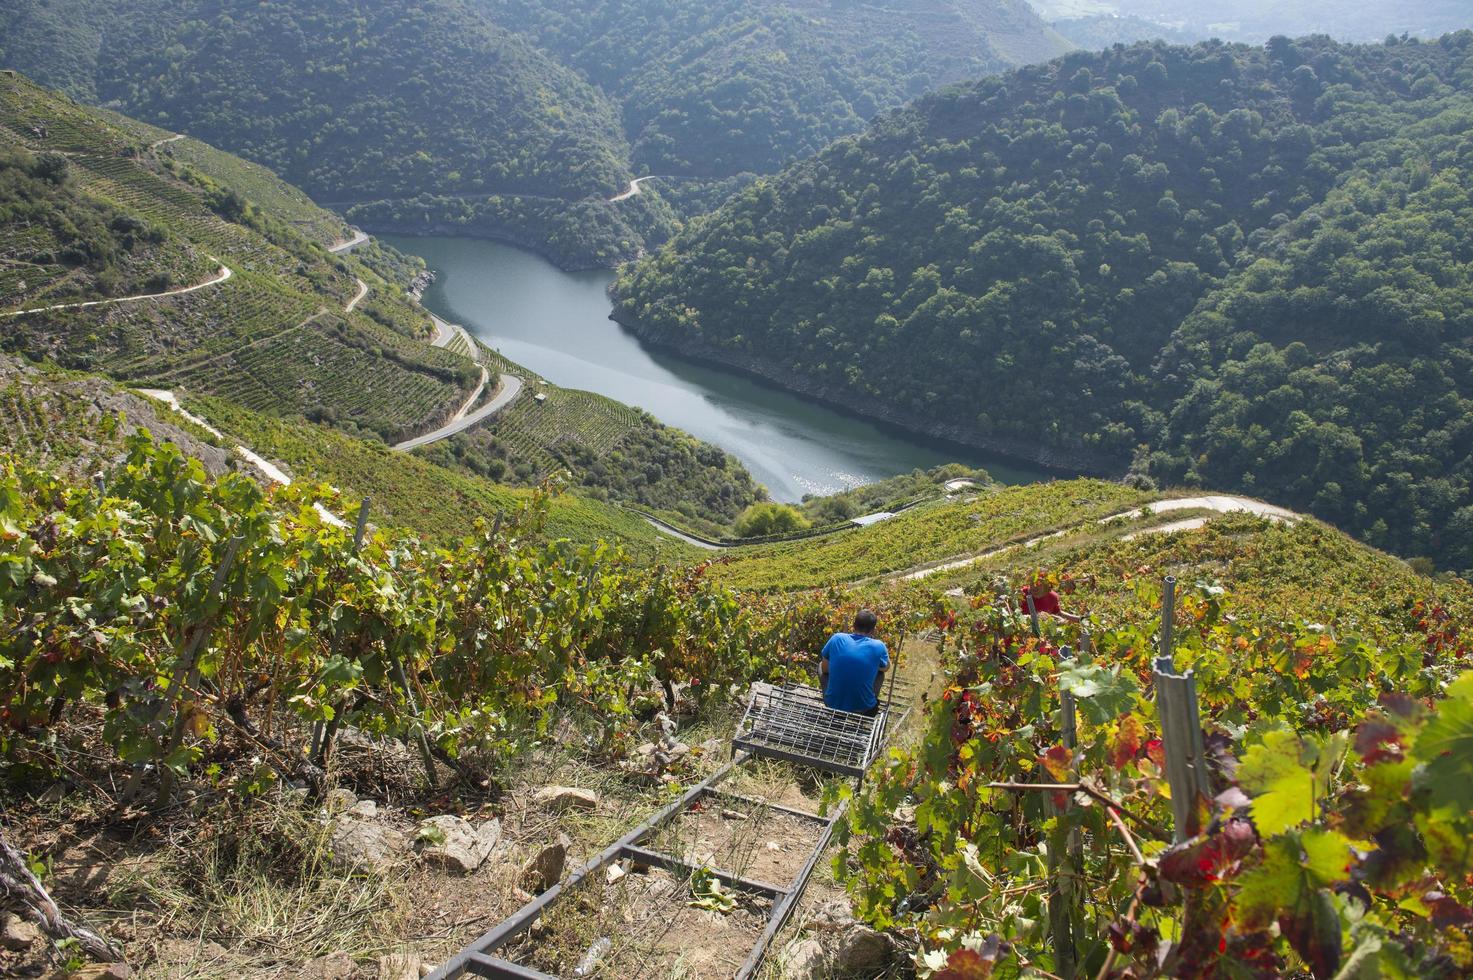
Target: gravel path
x=266 y=468
x=1222 y=504
x=215 y=280
x=632 y=191
x=359 y=238
x=362 y=292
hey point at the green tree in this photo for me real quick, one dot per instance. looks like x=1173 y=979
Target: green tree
x=763 y=519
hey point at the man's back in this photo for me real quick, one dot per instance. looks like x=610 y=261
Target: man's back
x=854 y=660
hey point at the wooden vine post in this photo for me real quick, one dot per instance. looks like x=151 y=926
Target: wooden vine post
x=323 y=735
x=1064 y=871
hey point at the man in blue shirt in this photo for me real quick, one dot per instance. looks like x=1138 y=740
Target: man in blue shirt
x=852 y=669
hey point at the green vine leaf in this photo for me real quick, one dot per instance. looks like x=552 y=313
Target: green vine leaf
x=1283 y=788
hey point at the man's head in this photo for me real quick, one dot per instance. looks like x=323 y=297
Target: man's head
x=864 y=622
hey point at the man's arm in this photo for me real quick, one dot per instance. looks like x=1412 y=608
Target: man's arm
x=884 y=666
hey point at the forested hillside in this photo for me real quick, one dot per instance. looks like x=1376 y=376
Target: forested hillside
x=508 y=118
x=1152 y=253
x=420 y=115
x=715 y=89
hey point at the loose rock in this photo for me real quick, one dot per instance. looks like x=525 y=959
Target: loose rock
x=335 y=966
x=339 y=800
x=837 y=945
x=558 y=799
x=18 y=934
x=545 y=868
x=358 y=843
x=399 y=966
x=450 y=841
x=363 y=809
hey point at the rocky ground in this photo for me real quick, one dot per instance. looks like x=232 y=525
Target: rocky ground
x=383 y=878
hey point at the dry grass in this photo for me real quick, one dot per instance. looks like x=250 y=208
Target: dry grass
x=244 y=888
x=252 y=891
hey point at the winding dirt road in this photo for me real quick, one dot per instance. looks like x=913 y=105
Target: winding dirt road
x=359 y=238
x=633 y=190
x=506 y=393
x=1221 y=503
x=511 y=387
x=215 y=280
x=362 y=292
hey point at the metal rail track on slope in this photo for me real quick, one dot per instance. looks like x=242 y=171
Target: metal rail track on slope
x=790 y=723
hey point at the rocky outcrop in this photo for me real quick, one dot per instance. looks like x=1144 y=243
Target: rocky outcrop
x=452 y=842
x=834 y=943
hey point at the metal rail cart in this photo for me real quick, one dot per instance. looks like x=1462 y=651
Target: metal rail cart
x=788 y=722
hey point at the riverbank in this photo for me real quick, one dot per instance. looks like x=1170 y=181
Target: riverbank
x=1061 y=463
x=557 y=325
x=585 y=234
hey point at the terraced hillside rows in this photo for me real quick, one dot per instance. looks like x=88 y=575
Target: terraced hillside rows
x=929 y=533
x=275 y=337
x=611 y=451
x=76 y=425
x=412 y=492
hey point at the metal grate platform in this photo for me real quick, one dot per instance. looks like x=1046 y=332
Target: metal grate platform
x=792 y=723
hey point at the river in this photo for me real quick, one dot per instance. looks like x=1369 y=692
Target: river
x=557 y=323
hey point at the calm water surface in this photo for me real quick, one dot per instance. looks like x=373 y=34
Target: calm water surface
x=557 y=323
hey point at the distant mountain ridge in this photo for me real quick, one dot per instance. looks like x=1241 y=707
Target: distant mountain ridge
x=1256 y=21
x=421 y=114
x=715 y=89
x=507 y=118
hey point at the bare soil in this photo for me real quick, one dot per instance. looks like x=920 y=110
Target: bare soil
x=763 y=845
x=655 y=931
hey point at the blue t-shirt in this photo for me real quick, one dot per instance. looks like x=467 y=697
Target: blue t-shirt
x=855 y=660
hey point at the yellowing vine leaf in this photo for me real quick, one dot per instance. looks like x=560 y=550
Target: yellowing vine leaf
x=1445 y=746
x=1283 y=788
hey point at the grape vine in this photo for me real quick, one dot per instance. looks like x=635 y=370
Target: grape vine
x=187 y=611
x=1334 y=842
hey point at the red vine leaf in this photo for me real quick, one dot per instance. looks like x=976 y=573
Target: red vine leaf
x=1378 y=741
x=1447 y=912
x=1057 y=760
x=1127 y=742
x=969 y=964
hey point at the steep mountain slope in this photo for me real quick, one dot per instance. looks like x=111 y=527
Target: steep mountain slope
x=242 y=303
x=715 y=89
x=256 y=312
x=1008 y=263
x=415 y=113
